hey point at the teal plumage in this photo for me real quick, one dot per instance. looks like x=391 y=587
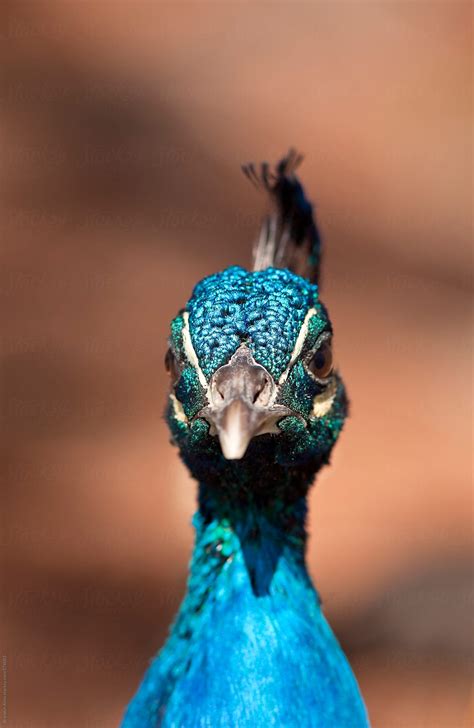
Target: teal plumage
x=255 y=408
x=236 y=306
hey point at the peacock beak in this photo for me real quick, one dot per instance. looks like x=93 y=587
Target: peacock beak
x=237 y=424
x=241 y=405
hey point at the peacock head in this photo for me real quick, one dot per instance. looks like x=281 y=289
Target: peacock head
x=254 y=391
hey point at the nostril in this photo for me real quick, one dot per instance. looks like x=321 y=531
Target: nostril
x=257 y=394
x=261 y=385
x=218 y=392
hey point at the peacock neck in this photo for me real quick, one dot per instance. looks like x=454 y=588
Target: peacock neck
x=249 y=598
x=250 y=645
x=260 y=527
x=249 y=552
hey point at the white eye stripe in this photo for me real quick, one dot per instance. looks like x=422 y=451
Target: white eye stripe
x=193 y=359
x=189 y=349
x=178 y=409
x=298 y=345
x=323 y=402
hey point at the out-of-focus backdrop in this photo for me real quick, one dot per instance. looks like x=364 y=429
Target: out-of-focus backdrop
x=124 y=125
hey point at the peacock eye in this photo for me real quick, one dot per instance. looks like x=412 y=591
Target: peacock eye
x=171 y=365
x=320 y=363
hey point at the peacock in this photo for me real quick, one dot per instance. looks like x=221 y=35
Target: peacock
x=255 y=408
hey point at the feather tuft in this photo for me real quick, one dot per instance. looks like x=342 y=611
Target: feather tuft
x=289 y=237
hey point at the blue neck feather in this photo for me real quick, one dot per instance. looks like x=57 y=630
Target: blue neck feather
x=250 y=646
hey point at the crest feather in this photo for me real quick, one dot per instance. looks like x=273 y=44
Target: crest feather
x=289 y=237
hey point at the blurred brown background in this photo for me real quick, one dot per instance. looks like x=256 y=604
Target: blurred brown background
x=124 y=125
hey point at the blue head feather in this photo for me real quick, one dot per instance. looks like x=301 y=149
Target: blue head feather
x=264 y=309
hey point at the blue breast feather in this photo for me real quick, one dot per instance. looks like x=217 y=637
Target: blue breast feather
x=250 y=647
